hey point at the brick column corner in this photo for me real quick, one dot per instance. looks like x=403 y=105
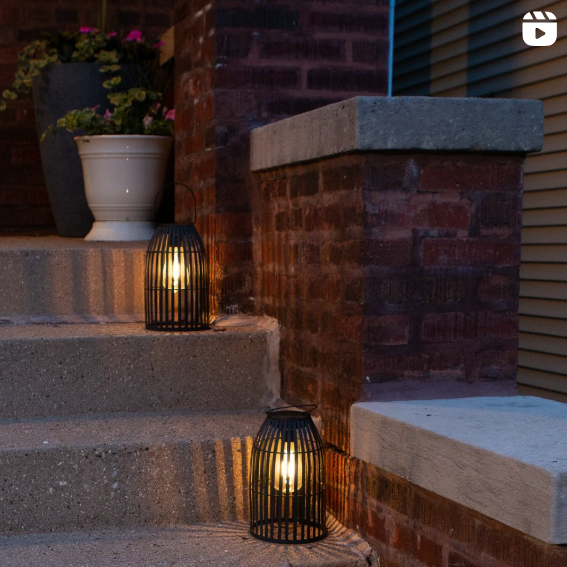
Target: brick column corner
x=387 y=243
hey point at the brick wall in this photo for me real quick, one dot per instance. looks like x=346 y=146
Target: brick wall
x=385 y=267
x=409 y=526
x=242 y=64
x=23 y=199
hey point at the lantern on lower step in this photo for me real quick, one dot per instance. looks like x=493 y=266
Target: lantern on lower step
x=177 y=279
x=287 y=478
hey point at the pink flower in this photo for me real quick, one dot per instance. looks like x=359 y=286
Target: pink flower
x=147 y=121
x=95 y=108
x=158 y=44
x=135 y=35
x=170 y=115
x=107 y=115
x=112 y=34
x=86 y=30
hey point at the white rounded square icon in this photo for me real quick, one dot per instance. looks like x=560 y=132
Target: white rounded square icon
x=539 y=29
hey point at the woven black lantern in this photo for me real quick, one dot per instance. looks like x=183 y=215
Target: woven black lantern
x=287 y=479
x=177 y=278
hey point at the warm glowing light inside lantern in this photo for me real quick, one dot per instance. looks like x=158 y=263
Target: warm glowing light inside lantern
x=173 y=269
x=285 y=469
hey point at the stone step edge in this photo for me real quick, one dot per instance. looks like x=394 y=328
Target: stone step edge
x=21 y=320
x=221 y=321
x=158 y=428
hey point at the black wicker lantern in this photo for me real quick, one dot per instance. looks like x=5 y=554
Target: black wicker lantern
x=177 y=279
x=287 y=479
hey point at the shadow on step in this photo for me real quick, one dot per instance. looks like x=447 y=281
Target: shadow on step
x=223 y=544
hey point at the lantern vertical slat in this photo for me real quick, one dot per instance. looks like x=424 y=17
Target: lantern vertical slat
x=286 y=458
x=300 y=449
x=306 y=446
x=270 y=501
x=165 y=260
x=193 y=307
x=311 y=503
x=187 y=258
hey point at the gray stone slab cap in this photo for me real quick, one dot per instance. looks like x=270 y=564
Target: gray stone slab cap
x=405 y=123
x=505 y=457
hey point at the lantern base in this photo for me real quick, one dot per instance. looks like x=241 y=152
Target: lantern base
x=121 y=231
x=260 y=528
x=176 y=327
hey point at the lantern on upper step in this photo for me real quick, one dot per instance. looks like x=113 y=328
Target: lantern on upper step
x=177 y=278
x=287 y=478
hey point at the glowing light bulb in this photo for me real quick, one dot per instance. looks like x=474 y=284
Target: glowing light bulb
x=288 y=467
x=285 y=477
x=174 y=269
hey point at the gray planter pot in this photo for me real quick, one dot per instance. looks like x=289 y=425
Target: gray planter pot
x=57 y=90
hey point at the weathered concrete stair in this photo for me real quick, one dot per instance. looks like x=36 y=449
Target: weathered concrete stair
x=140 y=435
x=161 y=489
x=124 y=470
x=55 y=370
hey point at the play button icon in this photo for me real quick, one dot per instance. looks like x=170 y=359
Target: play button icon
x=541 y=32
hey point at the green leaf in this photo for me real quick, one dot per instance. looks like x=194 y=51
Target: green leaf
x=107 y=57
x=9 y=95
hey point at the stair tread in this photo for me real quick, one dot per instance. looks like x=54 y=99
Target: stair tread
x=127 y=429
x=87 y=330
x=226 y=544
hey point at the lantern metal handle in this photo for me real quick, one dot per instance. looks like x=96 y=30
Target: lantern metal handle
x=188 y=189
x=312 y=406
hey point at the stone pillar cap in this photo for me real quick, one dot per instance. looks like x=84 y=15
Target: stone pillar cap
x=405 y=123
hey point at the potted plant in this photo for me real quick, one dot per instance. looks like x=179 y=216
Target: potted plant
x=75 y=70
x=124 y=154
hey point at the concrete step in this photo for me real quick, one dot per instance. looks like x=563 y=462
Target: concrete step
x=225 y=544
x=55 y=370
x=124 y=470
x=52 y=278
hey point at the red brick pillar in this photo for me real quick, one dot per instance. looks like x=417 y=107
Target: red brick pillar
x=245 y=63
x=387 y=243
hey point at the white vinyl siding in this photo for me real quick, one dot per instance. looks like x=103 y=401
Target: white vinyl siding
x=475 y=48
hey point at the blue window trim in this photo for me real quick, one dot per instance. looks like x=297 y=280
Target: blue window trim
x=391 y=22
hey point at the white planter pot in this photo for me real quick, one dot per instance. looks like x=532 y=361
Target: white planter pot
x=123 y=175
